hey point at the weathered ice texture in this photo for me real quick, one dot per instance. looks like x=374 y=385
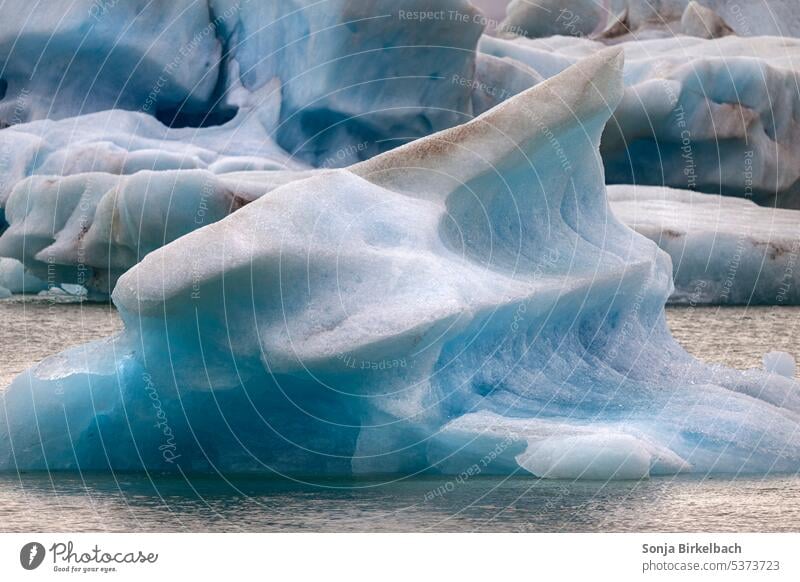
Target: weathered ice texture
x=457 y=297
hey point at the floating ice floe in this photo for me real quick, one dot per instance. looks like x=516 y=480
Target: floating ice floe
x=780 y=363
x=714 y=115
x=89 y=228
x=357 y=78
x=15 y=279
x=462 y=299
x=724 y=250
x=125 y=142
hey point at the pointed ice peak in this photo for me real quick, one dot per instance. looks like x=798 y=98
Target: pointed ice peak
x=702 y=22
x=585 y=94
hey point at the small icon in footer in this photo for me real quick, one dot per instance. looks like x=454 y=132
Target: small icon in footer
x=31 y=555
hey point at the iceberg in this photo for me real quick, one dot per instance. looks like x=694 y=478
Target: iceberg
x=712 y=115
x=558 y=18
x=89 y=228
x=780 y=363
x=465 y=298
x=615 y=20
x=702 y=22
x=724 y=250
x=275 y=87
x=82 y=198
x=356 y=79
x=125 y=142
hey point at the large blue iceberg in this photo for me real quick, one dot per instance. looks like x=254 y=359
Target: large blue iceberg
x=463 y=298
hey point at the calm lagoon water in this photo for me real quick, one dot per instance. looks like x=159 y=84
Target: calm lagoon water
x=519 y=504
x=35 y=328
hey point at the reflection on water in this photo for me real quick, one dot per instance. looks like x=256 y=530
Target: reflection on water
x=36 y=502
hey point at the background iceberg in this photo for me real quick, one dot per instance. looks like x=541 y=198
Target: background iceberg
x=290 y=87
x=614 y=20
x=357 y=78
x=724 y=250
x=84 y=56
x=713 y=115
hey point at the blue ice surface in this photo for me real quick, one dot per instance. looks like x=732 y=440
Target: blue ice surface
x=324 y=85
x=641 y=19
x=357 y=79
x=465 y=302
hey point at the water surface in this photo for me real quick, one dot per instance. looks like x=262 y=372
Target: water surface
x=126 y=503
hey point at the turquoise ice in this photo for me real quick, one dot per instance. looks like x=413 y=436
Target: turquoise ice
x=467 y=296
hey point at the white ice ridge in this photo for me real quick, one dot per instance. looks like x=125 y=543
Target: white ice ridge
x=83 y=198
x=125 y=142
x=716 y=115
x=89 y=228
x=724 y=250
x=459 y=298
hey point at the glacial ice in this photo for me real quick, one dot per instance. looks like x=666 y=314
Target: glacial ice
x=714 y=115
x=83 y=198
x=615 y=20
x=702 y=22
x=324 y=84
x=680 y=122
x=89 y=228
x=357 y=78
x=461 y=298
x=83 y=56
x=724 y=250
x=125 y=142
x=559 y=18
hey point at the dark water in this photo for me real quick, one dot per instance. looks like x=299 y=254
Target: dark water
x=33 y=329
